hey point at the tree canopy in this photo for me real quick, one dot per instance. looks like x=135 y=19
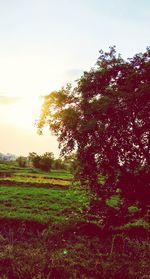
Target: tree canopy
x=105 y=118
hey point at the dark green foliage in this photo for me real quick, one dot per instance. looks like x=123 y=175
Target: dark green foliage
x=46 y=161
x=35 y=159
x=22 y=161
x=43 y=162
x=136 y=188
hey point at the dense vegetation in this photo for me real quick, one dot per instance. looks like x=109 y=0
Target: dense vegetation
x=85 y=215
x=47 y=231
x=43 y=162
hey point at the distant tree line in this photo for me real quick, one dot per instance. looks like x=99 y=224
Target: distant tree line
x=46 y=162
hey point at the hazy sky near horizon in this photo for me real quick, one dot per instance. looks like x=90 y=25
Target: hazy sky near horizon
x=45 y=43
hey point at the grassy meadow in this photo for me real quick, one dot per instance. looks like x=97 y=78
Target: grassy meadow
x=45 y=231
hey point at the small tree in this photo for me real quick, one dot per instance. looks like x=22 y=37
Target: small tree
x=46 y=161
x=22 y=161
x=34 y=158
x=43 y=162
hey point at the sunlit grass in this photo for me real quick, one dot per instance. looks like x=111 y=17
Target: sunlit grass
x=137 y=223
x=113 y=201
x=41 y=204
x=39 y=179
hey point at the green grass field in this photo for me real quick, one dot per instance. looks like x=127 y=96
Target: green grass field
x=45 y=231
x=39 y=203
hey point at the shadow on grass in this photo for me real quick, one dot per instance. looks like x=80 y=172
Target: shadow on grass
x=30 y=249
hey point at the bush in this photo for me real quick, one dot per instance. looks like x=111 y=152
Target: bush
x=22 y=161
x=43 y=162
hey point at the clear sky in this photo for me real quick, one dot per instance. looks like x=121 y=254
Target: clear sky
x=46 y=43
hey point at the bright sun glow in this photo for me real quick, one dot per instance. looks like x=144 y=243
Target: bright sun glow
x=29 y=110
x=25 y=112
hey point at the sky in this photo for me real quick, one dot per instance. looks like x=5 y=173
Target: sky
x=44 y=44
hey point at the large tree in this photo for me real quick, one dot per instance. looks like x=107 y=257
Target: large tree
x=105 y=118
